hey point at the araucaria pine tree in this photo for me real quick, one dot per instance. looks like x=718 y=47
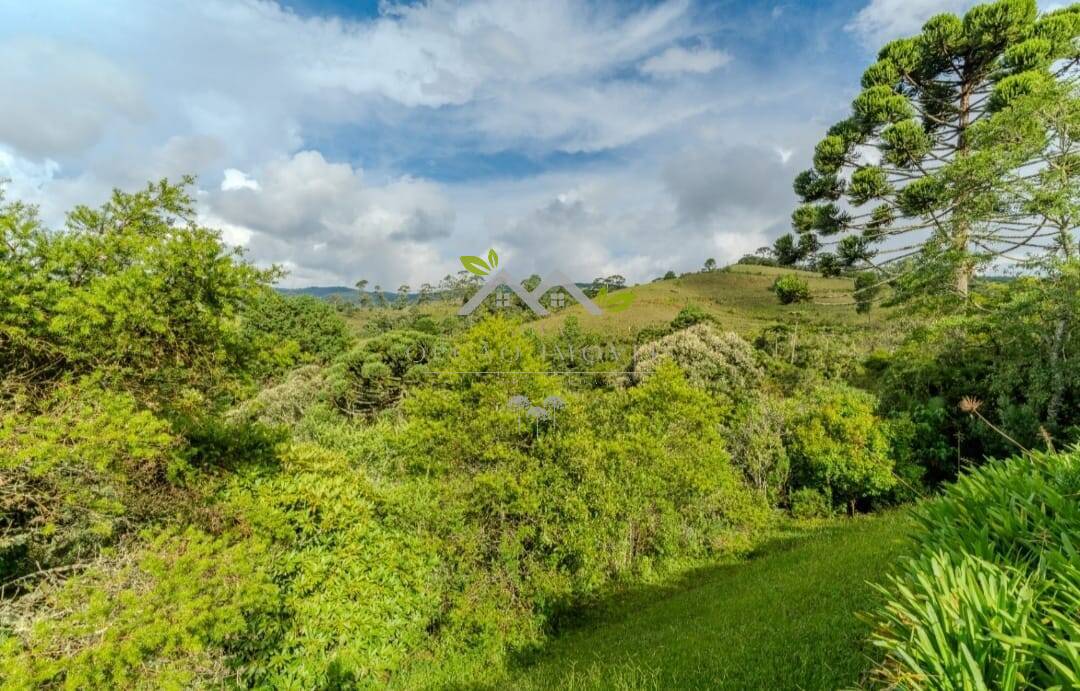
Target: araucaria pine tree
x=960 y=150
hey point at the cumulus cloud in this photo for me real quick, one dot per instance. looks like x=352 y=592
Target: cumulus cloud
x=313 y=137
x=883 y=20
x=238 y=180
x=322 y=219
x=676 y=60
x=40 y=120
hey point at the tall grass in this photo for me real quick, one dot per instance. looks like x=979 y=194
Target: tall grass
x=992 y=598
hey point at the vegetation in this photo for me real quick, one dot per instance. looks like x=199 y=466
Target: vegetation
x=206 y=482
x=990 y=598
x=782 y=620
x=973 y=124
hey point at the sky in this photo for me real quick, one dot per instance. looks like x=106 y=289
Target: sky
x=352 y=139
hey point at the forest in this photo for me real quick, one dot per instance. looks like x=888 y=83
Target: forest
x=848 y=460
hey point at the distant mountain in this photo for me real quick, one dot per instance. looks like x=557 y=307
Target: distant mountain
x=321 y=291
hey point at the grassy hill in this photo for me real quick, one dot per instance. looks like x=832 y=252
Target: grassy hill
x=738 y=297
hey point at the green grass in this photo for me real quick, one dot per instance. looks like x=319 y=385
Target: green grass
x=738 y=297
x=785 y=619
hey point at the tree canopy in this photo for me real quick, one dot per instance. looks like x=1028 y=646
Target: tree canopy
x=961 y=149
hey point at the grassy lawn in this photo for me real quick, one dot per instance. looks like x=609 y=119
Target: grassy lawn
x=785 y=619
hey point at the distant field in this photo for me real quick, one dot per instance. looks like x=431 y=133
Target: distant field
x=739 y=297
x=785 y=619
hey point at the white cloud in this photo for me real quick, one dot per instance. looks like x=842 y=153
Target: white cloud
x=322 y=219
x=883 y=20
x=264 y=105
x=238 y=180
x=676 y=60
x=60 y=99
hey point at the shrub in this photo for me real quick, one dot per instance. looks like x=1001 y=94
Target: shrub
x=359 y=585
x=719 y=361
x=790 y=289
x=688 y=316
x=79 y=469
x=314 y=325
x=134 y=290
x=170 y=615
x=808 y=502
x=990 y=598
x=615 y=485
x=837 y=444
x=754 y=435
x=373 y=375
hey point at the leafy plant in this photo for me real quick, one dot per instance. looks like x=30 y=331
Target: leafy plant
x=790 y=289
x=990 y=598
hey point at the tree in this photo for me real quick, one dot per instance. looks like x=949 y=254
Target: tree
x=790 y=289
x=402 y=296
x=425 y=294
x=710 y=264
x=134 y=290
x=867 y=286
x=963 y=142
x=669 y=275
x=361 y=290
x=379 y=298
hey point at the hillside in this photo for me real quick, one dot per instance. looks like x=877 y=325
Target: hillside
x=738 y=297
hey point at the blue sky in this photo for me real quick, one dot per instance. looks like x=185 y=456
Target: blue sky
x=356 y=139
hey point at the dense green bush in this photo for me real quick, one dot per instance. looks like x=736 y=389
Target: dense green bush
x=718 y=361
x=79 y=468
x=539 y=513
x=837 y=444
x=754 y=434
x=174 y=614
x=790 y=289
x=374 y=374
x=276 y=321
x=135 y=291
x=360 y=584
x=807 y=502
x=990 y=599
x=1016 y=354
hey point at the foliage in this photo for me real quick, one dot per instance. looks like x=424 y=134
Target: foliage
x=973 y=125
x=754 y=436
x=135 y=291
x=1013 y=355
x=374 y=374
x=808 y=502
x=688 y=316
x=616 y=485
x=275 y=321
x=165 y=617
x=990 y=598
x=790 y=289
x=719 y=361
x=358 y=588
x=837 y=444
x=79 y=468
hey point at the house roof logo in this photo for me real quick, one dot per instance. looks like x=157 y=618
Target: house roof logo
x=480 y=267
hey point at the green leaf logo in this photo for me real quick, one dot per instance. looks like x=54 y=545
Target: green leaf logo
x=475 y=265
x=478 y=266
